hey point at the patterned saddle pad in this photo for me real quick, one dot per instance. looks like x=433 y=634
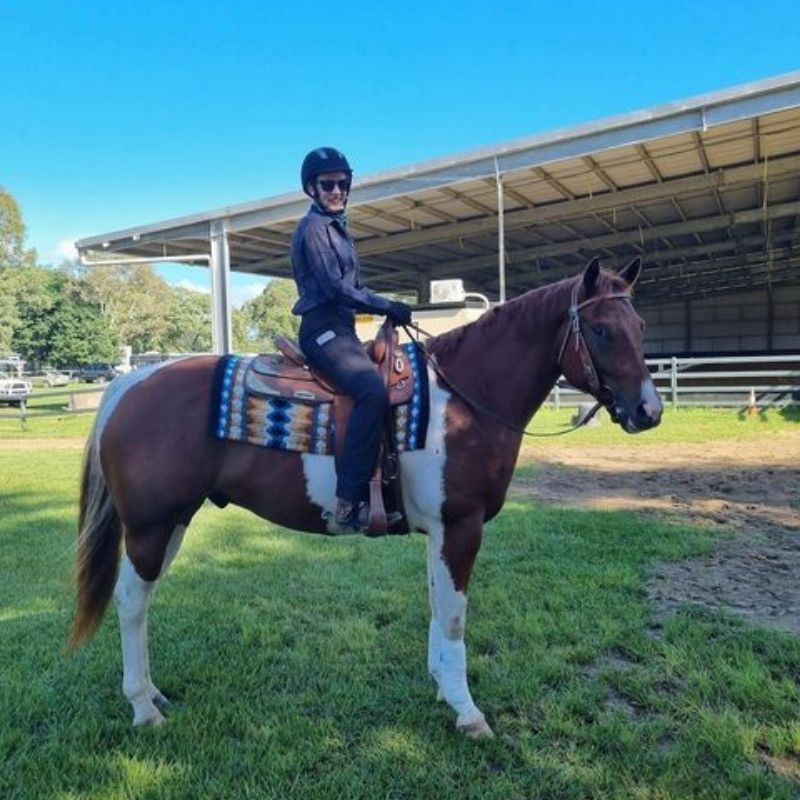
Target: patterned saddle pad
x=253 y=401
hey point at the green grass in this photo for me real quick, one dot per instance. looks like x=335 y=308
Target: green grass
x=297 y=666
x=682 y=425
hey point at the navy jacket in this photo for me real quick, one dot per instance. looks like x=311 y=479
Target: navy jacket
x=326 y=268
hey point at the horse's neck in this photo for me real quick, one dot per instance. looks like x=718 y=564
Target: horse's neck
x=507 y=360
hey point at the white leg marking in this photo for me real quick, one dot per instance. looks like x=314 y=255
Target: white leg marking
x=320 y=474
x=434 y=631
x=133 y=599
x=447 y=654
x=133 y=596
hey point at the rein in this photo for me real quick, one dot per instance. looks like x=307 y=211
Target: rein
x=606 y=395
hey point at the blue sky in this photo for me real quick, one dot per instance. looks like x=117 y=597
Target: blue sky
x=116 y=114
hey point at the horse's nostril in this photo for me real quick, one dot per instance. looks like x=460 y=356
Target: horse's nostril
x=648 y=414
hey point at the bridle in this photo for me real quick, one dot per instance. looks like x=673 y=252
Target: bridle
x=600 y=391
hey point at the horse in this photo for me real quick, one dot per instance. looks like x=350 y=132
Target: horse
x=150 y=464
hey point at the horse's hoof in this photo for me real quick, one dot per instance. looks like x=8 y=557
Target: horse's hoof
x=160 y=700
x=476 y=728
x=152 y=720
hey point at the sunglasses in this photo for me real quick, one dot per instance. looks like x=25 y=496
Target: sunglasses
x=327 y=185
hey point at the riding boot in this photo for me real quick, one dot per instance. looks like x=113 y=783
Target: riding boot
x=351 y=517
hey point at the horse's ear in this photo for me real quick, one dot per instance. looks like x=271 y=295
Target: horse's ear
x=590 y=275
x=631 y=273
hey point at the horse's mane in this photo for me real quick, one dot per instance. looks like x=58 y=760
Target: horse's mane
x=525 y=308
x=486 y=325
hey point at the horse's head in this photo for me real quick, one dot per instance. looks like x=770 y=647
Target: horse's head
x=601 y=351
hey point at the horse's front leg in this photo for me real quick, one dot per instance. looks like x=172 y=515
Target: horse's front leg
x=451 y=553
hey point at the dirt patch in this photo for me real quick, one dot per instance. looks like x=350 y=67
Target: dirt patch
x=42 y=444
x=750 y=488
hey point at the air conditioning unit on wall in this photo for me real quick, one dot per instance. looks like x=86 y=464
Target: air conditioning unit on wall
x=451 y=291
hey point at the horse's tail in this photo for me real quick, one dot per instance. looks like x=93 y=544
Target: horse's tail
x=99 y=533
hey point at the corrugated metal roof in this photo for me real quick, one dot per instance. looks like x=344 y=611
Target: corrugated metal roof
x=707 y=189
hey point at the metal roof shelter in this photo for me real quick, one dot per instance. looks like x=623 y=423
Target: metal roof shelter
x=706 y=189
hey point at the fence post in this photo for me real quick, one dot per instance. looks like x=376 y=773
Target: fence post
x=557 y=398
x=673 y=380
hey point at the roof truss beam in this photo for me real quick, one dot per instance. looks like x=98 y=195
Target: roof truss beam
x=638 y=236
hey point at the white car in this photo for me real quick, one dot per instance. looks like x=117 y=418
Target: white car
x=14 y=390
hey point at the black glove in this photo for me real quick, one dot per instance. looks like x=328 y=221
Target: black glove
x=399 y=313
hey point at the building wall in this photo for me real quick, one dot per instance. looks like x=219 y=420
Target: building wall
x=738 y=323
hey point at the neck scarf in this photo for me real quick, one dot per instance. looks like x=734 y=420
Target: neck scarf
x=338 y=216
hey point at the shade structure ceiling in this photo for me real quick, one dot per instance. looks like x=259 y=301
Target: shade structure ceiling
x=706 y=190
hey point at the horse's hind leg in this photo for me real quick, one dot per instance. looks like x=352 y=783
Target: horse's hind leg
x=133 y=595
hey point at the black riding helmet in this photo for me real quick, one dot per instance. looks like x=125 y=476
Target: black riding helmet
x=323 y=159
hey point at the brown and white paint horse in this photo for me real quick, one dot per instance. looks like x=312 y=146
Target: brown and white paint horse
x=150 y=464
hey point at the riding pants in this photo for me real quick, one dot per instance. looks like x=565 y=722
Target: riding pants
x=331 y=347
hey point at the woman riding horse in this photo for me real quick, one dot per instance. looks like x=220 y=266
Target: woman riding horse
x=150 y=463
x=326 y=270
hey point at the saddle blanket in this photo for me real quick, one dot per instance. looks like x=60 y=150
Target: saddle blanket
x=299 y=425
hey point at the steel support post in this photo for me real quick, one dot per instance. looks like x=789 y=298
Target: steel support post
x=673 y=381
x=501 y=236
x=424 y=289
x=221 y=331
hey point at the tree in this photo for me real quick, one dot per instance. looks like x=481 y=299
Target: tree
x=189 y=322
x=9 y=317
x=57 y=324
x=12 y=234
x=78 y=334
x=136 y=302
x=13 y=256
x=270 y=314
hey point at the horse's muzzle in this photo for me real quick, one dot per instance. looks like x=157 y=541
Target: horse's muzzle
x=640 y=414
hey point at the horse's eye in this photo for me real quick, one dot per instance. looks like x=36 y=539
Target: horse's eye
x=600 y=331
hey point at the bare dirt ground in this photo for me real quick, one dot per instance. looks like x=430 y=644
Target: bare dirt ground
x=750 y=489
x=42 y=444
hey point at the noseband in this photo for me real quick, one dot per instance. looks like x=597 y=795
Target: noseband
x=599 y=390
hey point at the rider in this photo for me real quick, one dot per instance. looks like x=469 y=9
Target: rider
x=326 y=269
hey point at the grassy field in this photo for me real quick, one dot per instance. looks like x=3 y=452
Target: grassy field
x=55 y=424
x=297 y=664
x=689 y=425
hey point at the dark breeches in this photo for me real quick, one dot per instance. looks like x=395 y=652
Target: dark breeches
x=334 y=350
